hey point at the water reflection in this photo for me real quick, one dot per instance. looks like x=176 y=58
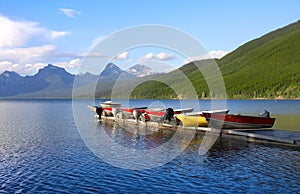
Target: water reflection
x=136 y=135
x=143 y=137
x=43 y=153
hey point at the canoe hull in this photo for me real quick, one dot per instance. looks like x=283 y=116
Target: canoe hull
x=225 y=111
x=110 y=104
x=192 y=121
x=159 y=115
x=229 y=121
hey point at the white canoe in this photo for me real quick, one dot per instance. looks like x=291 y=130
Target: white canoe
x=225 y=111
x=110 y=104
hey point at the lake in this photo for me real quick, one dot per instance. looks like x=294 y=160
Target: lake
x=52 y=146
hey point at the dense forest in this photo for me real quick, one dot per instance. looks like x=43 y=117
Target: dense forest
x=267 y=67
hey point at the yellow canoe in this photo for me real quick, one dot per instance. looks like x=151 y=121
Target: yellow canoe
x=192 y=121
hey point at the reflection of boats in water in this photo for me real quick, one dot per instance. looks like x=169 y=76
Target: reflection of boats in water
x=140 y=136
x=137 y=135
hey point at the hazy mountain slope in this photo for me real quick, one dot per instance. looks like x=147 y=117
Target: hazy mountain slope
x=8 y=82
x=50 y=78
x=56 y=82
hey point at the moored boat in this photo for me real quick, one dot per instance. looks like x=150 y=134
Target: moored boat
x=99 y=111
x=192 y=121
x=110 y=108
x=196 y=119
x=224 y=111
x=110 y=104
x=134 y=112
x=163 y=114
x=232 y=121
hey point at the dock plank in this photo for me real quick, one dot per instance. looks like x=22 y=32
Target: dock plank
x=269 y=134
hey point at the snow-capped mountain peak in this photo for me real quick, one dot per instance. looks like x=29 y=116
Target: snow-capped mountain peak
x=141 y=70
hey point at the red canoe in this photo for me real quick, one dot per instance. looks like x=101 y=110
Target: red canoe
x=230 y=121
x=161 y=113
x=130 y=110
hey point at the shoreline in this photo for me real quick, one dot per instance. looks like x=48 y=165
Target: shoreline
x=267 y=99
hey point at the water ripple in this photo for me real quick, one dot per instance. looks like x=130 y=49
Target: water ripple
x=42 y=152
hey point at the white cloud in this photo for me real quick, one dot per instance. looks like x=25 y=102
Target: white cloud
x=6 y=66
x=210 y=55
x=71 y=65
x=69 y=12
x=32 y=68
x=27 y=55
x=18 y=33
x=26 y=69
x=122 y=56
x=43 y=53
x=165 y=56
x=90 y=55
x=149 y=56
x=57 y=34
x=27 y=61
x=160 y=57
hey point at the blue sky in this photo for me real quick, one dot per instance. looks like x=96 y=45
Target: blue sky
x=35 y=33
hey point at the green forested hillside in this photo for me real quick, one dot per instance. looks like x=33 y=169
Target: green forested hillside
x=267 y=67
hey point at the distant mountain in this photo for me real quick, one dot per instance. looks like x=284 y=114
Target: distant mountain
x=7 y=75
x=86 y=79
x=141 y=70
x=9 y=81
x=50 y=78
x=55 y=82
x=113 y=72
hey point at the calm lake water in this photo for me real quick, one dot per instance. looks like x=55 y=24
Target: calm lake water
x=42 y=150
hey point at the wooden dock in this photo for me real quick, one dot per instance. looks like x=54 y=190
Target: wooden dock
x=269 y=135
x=266 y=135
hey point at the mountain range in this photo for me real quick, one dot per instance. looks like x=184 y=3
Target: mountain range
x=52 y=81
